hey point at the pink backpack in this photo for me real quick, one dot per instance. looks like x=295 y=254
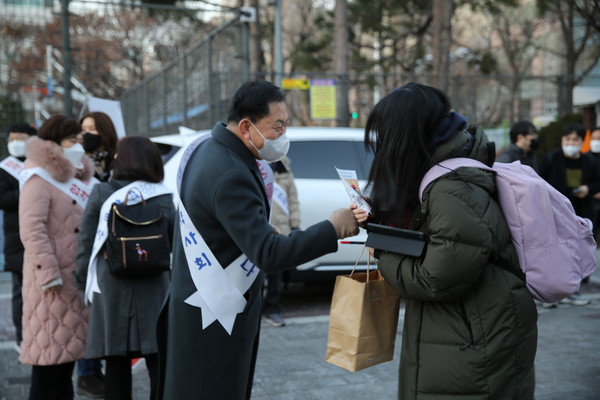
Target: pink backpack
x=556 y=248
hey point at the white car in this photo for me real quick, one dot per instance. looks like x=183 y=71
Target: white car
x=315 y=152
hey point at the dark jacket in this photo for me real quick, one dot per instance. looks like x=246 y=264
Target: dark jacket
x=123 y=317
x=470 y=324
x=224 y=194
x=9 y=203
x=553 y=169
x=513 y=153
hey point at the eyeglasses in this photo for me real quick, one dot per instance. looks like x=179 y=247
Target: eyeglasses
x=281 y=126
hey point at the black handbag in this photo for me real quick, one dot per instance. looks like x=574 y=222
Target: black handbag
x=138 y=240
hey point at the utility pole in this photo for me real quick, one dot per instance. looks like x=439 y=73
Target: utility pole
x=66 y=44
x=341 y=62
x=278 y=45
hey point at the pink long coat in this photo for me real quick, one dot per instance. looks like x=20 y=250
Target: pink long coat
x=54 y=324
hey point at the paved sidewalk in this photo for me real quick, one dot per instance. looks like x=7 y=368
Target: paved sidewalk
x=291 y=359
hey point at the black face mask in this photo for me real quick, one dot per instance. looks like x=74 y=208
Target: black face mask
x=91 y=142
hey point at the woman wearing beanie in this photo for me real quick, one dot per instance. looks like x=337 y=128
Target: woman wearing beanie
x=470 y=324
x=55 y=185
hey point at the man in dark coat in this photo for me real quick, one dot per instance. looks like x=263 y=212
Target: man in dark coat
x=573 y=173
x=224 y=194
x=577 y=176
x=523 y=140
x=18 y=134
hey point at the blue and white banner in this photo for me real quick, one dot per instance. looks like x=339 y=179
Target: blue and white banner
x=135 y=193
x=13 y=166
x=280 y=198
x=74 y=188
x=219 y=291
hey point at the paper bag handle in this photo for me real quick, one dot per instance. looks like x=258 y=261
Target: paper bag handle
x=368 y=262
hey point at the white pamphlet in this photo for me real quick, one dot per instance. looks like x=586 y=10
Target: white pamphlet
x=350 y=181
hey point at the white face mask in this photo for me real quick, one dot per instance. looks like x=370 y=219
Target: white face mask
x=74 y=154
x=571 y=150
x=595 y=146
x=16 y=148
x=272 y=150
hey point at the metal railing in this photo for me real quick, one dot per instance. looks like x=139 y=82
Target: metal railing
x=194 y=89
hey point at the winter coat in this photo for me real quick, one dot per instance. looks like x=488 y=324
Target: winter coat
x=224 y=194
x=282 y=222
x=513 y=153
x=553 y=169
x=9 y=204
x=470 y=324
x=123 y=316
x=54 y=323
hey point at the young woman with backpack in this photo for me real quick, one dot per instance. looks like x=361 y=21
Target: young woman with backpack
x=124 y=309
x=470 y=323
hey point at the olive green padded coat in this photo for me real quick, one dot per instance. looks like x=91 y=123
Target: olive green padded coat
x=470 y=327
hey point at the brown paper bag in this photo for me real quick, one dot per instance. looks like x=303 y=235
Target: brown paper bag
x=362 y=322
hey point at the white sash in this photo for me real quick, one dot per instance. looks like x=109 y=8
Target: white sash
x=281 y=199
x=147 y=190
x=13 y=166
x=74 y=188
x=219 y=291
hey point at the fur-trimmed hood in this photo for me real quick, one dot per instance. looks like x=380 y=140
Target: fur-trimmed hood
x=49 y=156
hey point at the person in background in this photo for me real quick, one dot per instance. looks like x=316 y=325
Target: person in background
x=285 y=218
x=128 y=306
x=470 y=326
x=577 y=176
x=523 y=141
x=10 y=167
x=595 y=142
x=51 y=202
x=99 y=141
x=595 y=151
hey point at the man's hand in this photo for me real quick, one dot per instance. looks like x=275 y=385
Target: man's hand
x=581 y=191
x=344 y=222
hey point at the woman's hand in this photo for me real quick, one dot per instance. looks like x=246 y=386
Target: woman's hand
x=361 y=215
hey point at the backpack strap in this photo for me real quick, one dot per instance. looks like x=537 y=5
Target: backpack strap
x=445 y=167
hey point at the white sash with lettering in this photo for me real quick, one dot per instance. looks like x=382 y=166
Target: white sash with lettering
x=219 y=291
x=147 y=190
x=74 y=188
x=13 y=166
x=281 y=199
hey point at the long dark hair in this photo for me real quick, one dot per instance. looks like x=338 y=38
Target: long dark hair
x=138 y=158
x=400 y=132
x=107 y=131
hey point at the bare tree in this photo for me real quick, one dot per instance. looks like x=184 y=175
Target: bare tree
x=442 y=40
x=257 y=59
x=589 y=10
x=519 y=36
x=576 y=39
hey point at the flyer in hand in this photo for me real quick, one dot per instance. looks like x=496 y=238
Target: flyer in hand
x=350 y=181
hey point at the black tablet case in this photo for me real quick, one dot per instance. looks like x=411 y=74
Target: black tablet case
x=396 y=240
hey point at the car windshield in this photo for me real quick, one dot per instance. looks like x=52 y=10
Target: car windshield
x=318 y=159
